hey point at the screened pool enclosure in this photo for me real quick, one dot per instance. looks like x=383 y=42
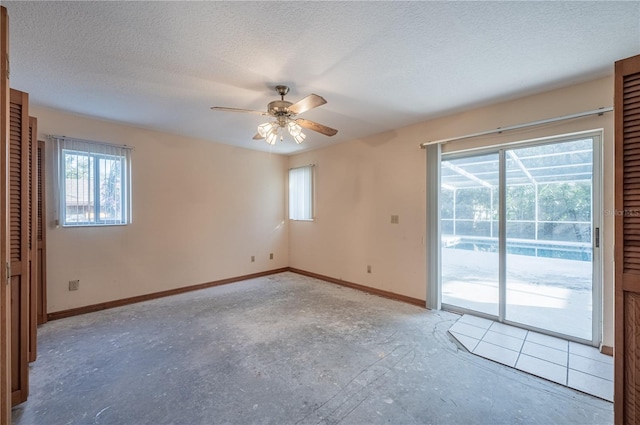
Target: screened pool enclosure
x=541 y=273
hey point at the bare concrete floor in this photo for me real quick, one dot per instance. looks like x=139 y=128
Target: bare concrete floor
x=283 y=349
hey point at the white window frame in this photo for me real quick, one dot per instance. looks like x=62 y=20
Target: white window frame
x=98 y=153
x=301 y=193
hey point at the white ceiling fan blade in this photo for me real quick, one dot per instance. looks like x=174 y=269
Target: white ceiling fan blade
x=258 y=137
x=311 y=125
x=249 y=111
x=309 y=102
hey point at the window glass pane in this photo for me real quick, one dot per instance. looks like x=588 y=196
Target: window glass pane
x=469 y=231
x=93 y=180
x=79 y=187
x=548 y=263
x=301 y=193
x=110 y=173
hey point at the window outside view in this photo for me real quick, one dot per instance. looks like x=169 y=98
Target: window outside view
x=93 y=188
x=548 y=202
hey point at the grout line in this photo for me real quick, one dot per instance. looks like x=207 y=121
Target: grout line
x=478 y=327
x=568 y=365
x=471 y=324
x=500 y=347
x=583 y=371
x=496 y=345
x=483 y=335
x=521 y=347
x=591 y=358
x=467 y=336
x=590 y=374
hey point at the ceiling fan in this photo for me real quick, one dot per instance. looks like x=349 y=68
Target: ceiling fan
x=285 y=113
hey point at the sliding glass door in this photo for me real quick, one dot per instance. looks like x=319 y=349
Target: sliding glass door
x=519 y=235
x=549 y=263
x=469 y=229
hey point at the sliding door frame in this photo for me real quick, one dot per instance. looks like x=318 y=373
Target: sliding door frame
x=434 y=277
x=435 y=263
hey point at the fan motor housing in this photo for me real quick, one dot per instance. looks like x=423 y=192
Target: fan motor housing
x=279 y=108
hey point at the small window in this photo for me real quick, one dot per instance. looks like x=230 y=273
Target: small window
x=93 y=182
x=301 y=193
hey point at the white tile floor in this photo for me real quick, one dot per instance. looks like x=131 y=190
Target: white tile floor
x=568 y=363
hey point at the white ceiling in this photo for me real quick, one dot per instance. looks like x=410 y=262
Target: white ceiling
x=379 y=65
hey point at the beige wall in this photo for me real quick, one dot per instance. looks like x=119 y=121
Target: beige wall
x=361 y=183
x=200 y=211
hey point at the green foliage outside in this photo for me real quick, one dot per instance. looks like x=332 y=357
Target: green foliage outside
x=110 y=188
x=561 y=208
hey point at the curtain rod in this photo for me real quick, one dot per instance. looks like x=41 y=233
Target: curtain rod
x=302 y=166
x=73 y=139
x=600 y=111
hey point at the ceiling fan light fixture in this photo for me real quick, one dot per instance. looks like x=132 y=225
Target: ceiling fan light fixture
x=272 y=137
x=299 y=138
x=266 y=128
x=294 y=128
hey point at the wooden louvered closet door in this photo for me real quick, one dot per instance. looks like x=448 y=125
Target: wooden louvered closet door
x=627 y=242
x=19 y=244
x=41 y=237
x=5 y=293
x=32 y=159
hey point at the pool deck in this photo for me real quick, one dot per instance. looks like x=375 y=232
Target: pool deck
x=546 y=293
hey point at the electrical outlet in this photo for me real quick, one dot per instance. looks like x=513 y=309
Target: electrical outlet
x=271 y=256
x=253 y=258
x=74 y=285
x=395 y=219
x=368 y=269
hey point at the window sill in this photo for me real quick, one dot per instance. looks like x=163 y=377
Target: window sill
x=72 y=226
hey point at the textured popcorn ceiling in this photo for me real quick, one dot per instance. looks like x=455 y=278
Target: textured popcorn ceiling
x=380 y=65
